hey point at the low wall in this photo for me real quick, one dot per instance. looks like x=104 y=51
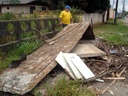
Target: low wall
x=94 y=18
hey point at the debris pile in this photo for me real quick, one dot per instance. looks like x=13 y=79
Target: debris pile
x=101 y=60
x=107 y=63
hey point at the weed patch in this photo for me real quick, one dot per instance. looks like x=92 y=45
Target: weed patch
x=13 y=52
x=68 y=88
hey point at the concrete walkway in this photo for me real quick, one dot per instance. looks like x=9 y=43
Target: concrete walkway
x=125 y=20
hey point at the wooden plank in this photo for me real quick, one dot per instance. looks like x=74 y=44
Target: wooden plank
x=87 y=50
x=117 y=78
x=61 y=60
x=76 y=72
x=82 y=67
x=25 y=77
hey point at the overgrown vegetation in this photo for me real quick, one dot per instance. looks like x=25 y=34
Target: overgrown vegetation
x=114 y=34
x=86 y=5
x=7 y=16
x=13 y=52
x=65 y=87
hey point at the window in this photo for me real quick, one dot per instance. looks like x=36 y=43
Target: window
x=8 y=8
x=43 y=8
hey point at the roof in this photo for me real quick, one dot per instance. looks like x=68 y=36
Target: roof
x=4 y=2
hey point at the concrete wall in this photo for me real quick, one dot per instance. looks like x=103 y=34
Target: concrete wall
x=111 y=13
x=94 y=17
x=16 y=9
x=38 y=8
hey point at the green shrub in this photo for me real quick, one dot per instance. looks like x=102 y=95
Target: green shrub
x=8 y=16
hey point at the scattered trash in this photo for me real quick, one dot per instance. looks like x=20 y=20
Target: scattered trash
x=114 y=52
x=16 y=63
x=111 y=92
x=126 y=55
x=100 y=80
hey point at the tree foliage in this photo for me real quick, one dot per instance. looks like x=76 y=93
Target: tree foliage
x=97 y=5
x=86 y=5
x=52 y=4
x=14 y=1
x=11 y=1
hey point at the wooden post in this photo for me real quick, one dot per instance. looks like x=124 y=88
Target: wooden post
x=116 y=12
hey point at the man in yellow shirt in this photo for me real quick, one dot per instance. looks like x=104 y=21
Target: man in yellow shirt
x=65 y=16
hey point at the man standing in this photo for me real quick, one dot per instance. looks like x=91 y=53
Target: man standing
x=65 y=16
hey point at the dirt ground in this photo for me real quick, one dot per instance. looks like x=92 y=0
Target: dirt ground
x=125 y=21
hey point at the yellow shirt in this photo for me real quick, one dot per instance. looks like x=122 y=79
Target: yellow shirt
x=65 y=16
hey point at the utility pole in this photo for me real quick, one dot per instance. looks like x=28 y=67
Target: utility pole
x=116 y=12
x=123 y=8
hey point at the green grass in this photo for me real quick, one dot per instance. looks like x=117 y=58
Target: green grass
x=13 y=52
x=114 y=34
x=65 y=87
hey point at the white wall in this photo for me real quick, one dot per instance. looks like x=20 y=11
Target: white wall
x=38 y=8
x=15 y=9
x=95 y=17
x=20 y=9
x=111 y=13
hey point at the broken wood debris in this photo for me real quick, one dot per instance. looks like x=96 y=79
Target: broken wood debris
x=117 y=78
x=112 y=82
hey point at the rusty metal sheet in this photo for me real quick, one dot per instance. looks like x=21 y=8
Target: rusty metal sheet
x=24 y=78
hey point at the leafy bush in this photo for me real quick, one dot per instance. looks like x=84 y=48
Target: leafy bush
x=7 y=16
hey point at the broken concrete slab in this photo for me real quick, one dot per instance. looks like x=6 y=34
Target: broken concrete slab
x=87 y=50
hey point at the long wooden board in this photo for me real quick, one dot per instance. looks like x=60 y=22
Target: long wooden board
x=76 y=72
x=82 y=67
x=63 y=62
